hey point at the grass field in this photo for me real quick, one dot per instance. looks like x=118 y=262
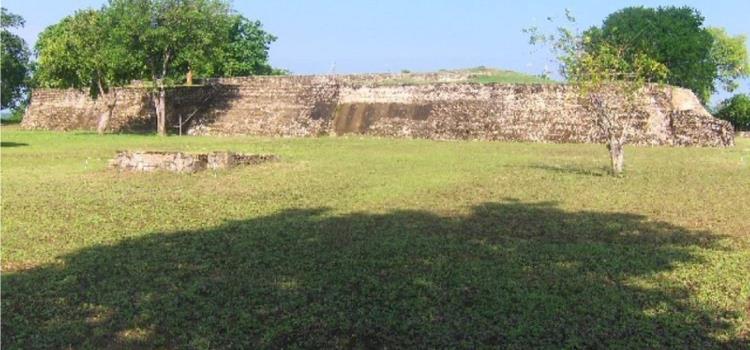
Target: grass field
x=372 y=243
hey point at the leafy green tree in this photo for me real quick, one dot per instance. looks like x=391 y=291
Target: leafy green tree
x=698 y=58
x=729 y=54
x=161 y=41
x=608 y=79
x=673 y=36
x=736 y=110
x=15 y=61
x=80 y=52
x=246 y=53
x=171 y=38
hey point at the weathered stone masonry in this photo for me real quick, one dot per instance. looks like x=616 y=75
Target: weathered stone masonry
x=362 y=104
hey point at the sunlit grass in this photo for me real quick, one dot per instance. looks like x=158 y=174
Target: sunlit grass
x=367 y=242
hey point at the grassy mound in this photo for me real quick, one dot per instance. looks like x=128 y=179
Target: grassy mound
x=481 y=75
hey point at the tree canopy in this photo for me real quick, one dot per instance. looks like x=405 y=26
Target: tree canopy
x=15 y=60
x=697 y=57
x=246 y=51
x=736 y=110
x=172 y=36
x=160 y=41
x=80 y=52
x=730 y=56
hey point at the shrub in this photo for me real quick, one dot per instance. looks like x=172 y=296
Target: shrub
x=736 y=110
x=15 y=114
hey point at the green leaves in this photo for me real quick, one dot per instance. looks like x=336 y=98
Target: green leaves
x=590 y=63
x=152 y=40
x=729 y=54
x=10 y=20
x=15 y=61
x=736 y=110
x=595 y=71
x=665 y=44
x=246 y=53
x=173 y=36
x=697 y=58
x=82 y=52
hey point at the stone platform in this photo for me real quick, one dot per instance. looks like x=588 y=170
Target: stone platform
x=182 y=162
x=302 y=106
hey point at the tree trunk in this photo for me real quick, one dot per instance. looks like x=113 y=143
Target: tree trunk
x=161 y=112
x=160 y=103
x=617 y=154
x=189 y=77
x=104 y=118
x=103 y=121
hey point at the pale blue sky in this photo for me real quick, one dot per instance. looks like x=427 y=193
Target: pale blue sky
x=420 y=35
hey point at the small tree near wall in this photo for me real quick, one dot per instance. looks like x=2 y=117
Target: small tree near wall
x=610 y=89
x=609 y=86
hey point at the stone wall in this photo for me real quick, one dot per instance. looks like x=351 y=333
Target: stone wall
x=269 y=106
x=368 y=104
x=537 y=113
x=75 y=110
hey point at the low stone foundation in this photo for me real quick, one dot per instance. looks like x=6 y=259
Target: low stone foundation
x=181 y=162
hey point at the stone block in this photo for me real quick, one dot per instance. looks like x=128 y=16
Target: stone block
x=181 y=162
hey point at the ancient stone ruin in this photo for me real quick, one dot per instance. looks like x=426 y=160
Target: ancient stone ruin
x=181 y=162
x=436 y=107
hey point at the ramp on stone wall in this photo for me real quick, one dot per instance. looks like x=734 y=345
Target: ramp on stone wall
x=359 y=117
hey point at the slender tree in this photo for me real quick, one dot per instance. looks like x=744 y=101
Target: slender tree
x=609 y=82
x=610 y=87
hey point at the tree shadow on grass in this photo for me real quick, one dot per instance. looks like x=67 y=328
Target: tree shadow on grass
x=12 y=144
x=508 y=274
x=574 y=170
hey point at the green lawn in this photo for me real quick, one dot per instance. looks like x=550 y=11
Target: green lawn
x=374 y=243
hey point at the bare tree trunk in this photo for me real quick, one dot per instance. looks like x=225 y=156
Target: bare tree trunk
x=189 y=77
x=161 y=111
x=109 y=101
x=101 y=127
x=617 y=154
x=106 y=116
x=613 y=129
x=160 y=101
